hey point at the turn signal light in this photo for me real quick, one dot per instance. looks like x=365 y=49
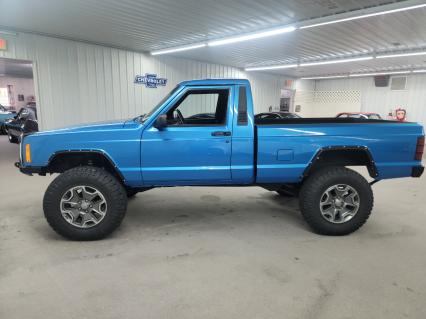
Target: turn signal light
x=27 y=153
x=420 y=148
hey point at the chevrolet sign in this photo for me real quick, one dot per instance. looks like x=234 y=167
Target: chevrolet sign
x=150 y=80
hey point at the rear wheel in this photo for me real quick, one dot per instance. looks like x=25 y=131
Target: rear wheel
x=85 y=203
x=336 y=201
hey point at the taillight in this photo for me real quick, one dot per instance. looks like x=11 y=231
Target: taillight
x=420 y=148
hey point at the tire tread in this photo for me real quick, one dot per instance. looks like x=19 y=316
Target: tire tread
x=308 y=204
x=116 y=192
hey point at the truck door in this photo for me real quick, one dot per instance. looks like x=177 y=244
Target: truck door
x=195 y=146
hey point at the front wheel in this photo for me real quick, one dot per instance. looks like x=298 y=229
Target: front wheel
x=85 y=203
x=336 y=201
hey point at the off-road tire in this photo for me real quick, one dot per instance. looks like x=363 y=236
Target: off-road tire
x=107 y=184
x=316 y=184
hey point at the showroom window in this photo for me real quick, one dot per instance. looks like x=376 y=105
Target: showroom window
x=200 y=107
x=4 y=97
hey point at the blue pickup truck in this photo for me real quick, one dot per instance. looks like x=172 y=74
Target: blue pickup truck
x=204 y=133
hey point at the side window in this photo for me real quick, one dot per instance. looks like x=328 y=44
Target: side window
x=200 y=107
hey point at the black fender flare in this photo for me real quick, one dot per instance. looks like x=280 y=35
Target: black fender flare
x=101 y=153
x=370 y=163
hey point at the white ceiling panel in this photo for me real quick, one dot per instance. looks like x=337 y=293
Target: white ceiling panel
x=145 y=25
x=402 y=31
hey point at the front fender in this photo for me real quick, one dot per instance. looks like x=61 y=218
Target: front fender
x=121 y=147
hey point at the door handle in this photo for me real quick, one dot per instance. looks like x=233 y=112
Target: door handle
x=221 y=133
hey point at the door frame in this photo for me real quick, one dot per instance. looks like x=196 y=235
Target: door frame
x=228 y=125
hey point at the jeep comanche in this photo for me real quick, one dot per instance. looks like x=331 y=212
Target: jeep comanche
x=204 y=133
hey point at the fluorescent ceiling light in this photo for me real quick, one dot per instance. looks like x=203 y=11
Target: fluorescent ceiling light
x=252 y=36
x=179 y=49
x=397 y=55
x=336 y=61
x=363 y=74
x=5 y=32
x=364 y=16
x=325 y=77
x=274 y=67
x=287 y=66
x=379 y=73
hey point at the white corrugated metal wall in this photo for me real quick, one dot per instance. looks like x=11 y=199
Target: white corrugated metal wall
x=78 y=82
x=314 y=103
x=381 y=100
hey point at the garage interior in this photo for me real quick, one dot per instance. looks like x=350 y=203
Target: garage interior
x=16 y=76
x=213 y=252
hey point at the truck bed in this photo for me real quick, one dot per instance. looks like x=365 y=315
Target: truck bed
x=286 y=147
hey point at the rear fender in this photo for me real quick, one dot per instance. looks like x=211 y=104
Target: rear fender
x=342 y=156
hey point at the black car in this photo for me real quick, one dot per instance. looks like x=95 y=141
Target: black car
x=24 y=122
x=276 y=115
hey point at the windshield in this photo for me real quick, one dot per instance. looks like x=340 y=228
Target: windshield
x=144 y=117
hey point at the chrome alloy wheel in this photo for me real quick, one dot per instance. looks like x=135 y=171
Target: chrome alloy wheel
x=83 y=206
x=339 y=203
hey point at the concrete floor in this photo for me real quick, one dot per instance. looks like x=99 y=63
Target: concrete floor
x=212 y=253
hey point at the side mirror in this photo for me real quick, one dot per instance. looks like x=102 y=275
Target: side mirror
x=161 y=122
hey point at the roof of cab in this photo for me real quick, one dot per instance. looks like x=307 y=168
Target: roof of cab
x=215 y=82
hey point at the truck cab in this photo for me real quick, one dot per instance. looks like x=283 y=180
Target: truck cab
x=208 y=127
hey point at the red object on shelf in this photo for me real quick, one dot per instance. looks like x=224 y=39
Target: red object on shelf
x=3 y=44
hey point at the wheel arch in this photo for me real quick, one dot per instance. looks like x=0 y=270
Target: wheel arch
x=63 y=160
x=342 y=156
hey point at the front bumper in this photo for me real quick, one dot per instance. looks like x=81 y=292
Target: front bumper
x=417 y=171
x=30 y=170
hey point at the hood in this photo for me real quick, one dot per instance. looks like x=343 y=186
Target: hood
x=92 y=127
